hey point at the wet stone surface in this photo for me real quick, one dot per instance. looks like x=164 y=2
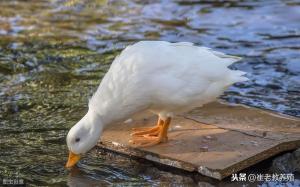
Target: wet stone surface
x=216 y=140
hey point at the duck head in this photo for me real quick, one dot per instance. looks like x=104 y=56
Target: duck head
x=83 y=136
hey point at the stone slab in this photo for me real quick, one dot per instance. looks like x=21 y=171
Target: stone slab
x=215 y=140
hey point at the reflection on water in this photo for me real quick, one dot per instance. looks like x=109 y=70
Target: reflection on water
x=53 y=54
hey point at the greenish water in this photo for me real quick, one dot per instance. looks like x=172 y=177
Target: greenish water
x=54 y=53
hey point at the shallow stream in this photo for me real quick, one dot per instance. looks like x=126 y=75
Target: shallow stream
x=54 y=53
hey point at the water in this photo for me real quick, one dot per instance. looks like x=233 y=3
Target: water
x=53 y=54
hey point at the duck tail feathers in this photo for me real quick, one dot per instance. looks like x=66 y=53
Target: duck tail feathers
x=238 y=76
x=227 y=59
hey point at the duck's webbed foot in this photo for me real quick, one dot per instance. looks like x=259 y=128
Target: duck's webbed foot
x=144 y=137
x=151 y=131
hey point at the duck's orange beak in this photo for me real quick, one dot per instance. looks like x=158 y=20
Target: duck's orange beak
x=73 y=159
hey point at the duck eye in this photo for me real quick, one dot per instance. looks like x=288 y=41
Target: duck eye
x=77 y=139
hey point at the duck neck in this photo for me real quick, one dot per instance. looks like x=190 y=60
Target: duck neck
x=95 y=125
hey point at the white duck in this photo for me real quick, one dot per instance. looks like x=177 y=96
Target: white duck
x=164 y=78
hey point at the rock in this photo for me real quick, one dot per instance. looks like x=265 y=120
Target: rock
x=287 y=163
x=203 y=142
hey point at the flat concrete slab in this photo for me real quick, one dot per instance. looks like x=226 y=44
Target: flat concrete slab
x=215 y=140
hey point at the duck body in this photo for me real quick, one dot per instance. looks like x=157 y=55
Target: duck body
x=162 y=77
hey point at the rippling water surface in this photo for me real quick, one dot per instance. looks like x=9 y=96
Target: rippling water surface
x=53 y=54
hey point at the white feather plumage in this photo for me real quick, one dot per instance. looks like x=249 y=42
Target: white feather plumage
x=163 y=77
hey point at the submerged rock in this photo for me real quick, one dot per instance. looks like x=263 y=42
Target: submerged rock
x=287 y=163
